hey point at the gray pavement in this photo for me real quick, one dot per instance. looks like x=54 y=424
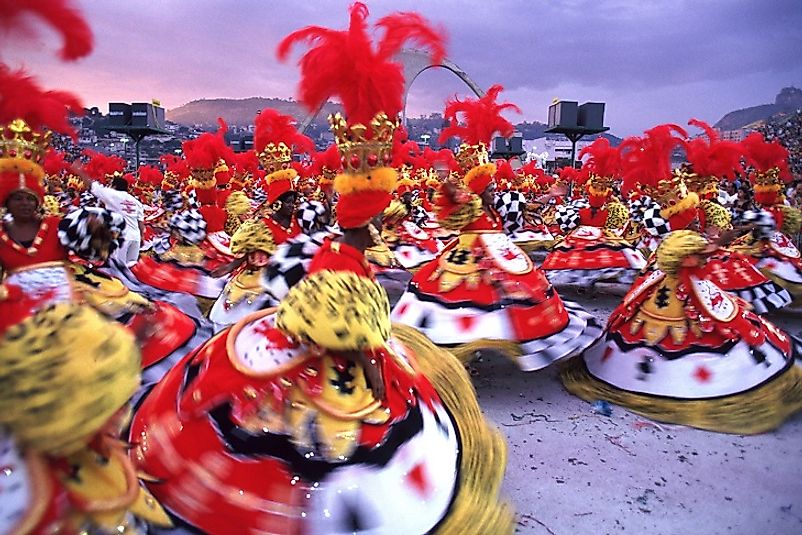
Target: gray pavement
x=573 y=472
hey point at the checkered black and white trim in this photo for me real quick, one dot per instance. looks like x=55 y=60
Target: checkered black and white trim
x=654 y=223
x=511 y=206
x=289 y=263
x=586 y=278
x=765 y=298
x=638 y=207
x=418 y=215
x=87 y=199
x=259 y=195
x=172 y=201
x=763 y=221
x=190 y=225
x=312 y=216
x=582 y=331
x=567 y=217
x=74 y=234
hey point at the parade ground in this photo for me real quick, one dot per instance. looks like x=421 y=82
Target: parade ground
x=574 y=471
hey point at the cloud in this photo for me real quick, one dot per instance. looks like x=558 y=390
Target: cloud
x=648 y=60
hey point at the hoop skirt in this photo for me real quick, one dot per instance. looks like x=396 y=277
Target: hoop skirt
x=679 y=349
x=483 y=291
x=256 y=433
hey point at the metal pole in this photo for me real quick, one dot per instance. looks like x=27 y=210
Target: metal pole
x=136 y=170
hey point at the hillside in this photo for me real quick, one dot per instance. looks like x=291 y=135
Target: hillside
x=241 y=113
x=787 y=101
x=237 y=112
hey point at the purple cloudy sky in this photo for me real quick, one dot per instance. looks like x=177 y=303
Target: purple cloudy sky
x=651 y=61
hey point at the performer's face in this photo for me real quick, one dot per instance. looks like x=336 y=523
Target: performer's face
x=22 y=205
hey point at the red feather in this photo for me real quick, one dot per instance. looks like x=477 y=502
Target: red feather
x=481 y=118
x=100 y=165
x=329 y=158
x=404 y=152
x=402 y=27
x=504 y=171
x=764 y=156
x=270 y=126
x=647 y=161
x=22 y=98
x=246 y=162
x=346 y=64
x=206 y=150
x=55 y=163
x=712 y=157
x=149 y=175
x=64 y=17
x=604 y=161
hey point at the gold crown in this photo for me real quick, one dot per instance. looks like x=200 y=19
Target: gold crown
x=600 y=185
x=672 y=194
x=769 y=178
x=274 y=157
x=202 y=178
x=19 y=141
x=701 y=184
x=669 y=192
x=470 y=156
x=170 y=180
x=360 y=153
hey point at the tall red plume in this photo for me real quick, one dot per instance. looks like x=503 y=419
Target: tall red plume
x=346 y=63
x=445 y=157
x=711 y=156
x=709 y=131
x=604 y=159
x=568 y=174
x=22 y=98
x=404 y=150
x=764 y=156
x=529 y=168
x=329 y=159
x=150 y=175
x=481 y=118
x=246 y=162
x=504 y=171
x=176 y=165
x=206 y=150
x=100 y=165
x=647 y=161
x=62 y=15
x=55 y=163
x=270 y=126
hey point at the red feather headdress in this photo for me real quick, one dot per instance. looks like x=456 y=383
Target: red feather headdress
x=273 y=141
x=766 y=158
x=647 y=169
x=475 y=121
x=711 y=159
x=65 y=18
x=364 y=75
x=101 y=166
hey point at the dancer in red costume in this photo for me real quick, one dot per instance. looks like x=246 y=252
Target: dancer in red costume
x=66 y=371
x=710 y=161
x=595 y=249
x=483 y=291
x=32 y=246
x=680 y=349
x=770 y=247
x=255 y=240
x=197 y=246
x=317 y=418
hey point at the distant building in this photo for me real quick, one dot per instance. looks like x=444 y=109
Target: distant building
x=737 y=134
x=556 y=148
